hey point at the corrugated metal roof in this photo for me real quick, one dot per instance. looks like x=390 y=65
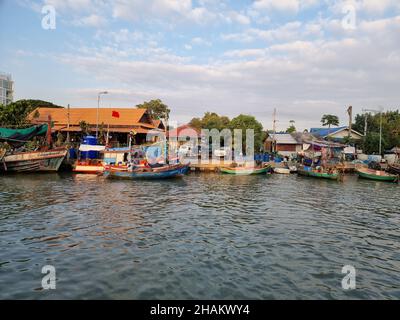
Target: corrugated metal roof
x=283 y=138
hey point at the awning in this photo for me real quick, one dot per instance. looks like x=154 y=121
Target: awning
x=87 y=147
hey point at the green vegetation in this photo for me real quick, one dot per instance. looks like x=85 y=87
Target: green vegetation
x=245 y=122
x=156 y=109
x=390 y=130
x=329 y=120
x=84 y=127
x=291 y=128
x=212 y=120
x=15 y=114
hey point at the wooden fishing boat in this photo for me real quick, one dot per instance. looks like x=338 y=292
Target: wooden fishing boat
x=88 y=167
x=43 y=161
x=394 y=168
x=244 y=171
x=282 y=170
x=377 y=175
x=164 y=172
x=310 y=172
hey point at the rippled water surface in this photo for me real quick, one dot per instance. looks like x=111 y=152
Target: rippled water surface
x=201 y=237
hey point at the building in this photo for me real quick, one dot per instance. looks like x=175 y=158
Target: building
x=6 y=89
x=184 y=134
x=120 y=123
x=283 y=143
x=336 y=134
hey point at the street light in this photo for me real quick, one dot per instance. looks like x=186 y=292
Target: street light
x=98 y=107
x=380 y=111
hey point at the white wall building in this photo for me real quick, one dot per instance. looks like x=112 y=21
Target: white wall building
x=6 y=89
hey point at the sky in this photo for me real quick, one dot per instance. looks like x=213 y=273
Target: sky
x=305 y=58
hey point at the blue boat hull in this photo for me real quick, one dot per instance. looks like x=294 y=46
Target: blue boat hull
x=152 y=175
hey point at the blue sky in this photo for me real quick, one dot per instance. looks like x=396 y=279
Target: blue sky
x=302 y=57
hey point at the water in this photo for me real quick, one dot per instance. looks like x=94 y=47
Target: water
x=205 y=236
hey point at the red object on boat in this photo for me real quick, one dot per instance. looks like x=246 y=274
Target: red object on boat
x=115 y=114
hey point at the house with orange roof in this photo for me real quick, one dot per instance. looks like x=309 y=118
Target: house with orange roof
x=119 y=123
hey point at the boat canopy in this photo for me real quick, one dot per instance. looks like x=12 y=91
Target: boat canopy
x=20 y=136
x=87 y=147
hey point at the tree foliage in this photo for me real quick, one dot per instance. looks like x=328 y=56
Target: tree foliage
x=390 y=130
x=244 y=122
x=329 y=120
x=156 y=109
x=212 y=120
x=291 y=128
x=15 y=114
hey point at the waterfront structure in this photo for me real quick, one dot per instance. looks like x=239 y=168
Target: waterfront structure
x=336 y=134
x=120 y=123
x=285 y=144
x=184 y=135
x=6 y=89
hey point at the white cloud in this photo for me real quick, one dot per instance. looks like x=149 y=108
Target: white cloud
x=200 y=42
x=92 y=20
x=285 y=32
x=279 y=5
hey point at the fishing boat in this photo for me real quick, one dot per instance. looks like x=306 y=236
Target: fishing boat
x=163 y=172
x=244 y=171
x=44 y=161
x=88 y=162
x=88 y=167
x=377 y=175
x=318 y=173
x=282 y=170
x=394 y=168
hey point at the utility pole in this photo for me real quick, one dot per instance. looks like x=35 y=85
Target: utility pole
x=98 y=107
x=350 y=112
x=68 y=121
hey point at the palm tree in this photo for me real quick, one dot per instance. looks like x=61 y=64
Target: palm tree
x=329 y=120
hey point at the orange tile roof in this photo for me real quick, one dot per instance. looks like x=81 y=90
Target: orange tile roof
x=157 y=124
x=127 y=116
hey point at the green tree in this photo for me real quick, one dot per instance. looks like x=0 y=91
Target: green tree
x=196 y=123
x=245 y=122
x=84 y=127
x=329 y=120
x=15 y=114
x=211 y=120
x=291 y=128
x=156 y=109
x=390 y=130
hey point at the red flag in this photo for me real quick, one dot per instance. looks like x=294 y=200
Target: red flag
x=115 y=114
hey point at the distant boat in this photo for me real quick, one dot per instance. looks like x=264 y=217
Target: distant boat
x=244 y=171
x=164 y=172
x=44 y=161
x=377 y=175
x=311 y=172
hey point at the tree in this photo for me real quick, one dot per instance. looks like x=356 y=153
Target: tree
x=156 y=109
x=244 y=122
x=291 y=128
x=211 y=120
x=84 y=127
x=390 y=130
x=329 y=120
x=196 y=123
x=15 y=114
